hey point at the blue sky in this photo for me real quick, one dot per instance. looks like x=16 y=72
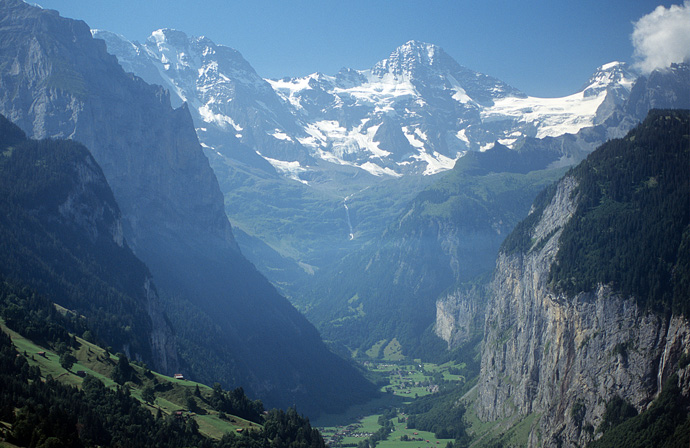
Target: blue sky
x=544 y=48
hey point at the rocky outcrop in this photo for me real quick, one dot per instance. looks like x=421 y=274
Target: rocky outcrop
x=163 y=343
x=460 y=316
x=564 y=358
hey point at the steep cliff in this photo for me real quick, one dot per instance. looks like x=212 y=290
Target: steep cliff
x=590 y=294
x=61 y=234
x=460 y=315
x=232 y=326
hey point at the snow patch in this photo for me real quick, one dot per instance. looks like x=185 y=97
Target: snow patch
x=280 y=135
x=291 y=170
x=487 y=147
x=435 y=162
x=413 y=137
x=551 y=116
x=379 y=171
x=462 y=136
x=218 y=119
x=460 y=95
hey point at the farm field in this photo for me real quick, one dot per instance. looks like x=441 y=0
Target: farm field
x=352 y=435
x=416 y=379
x=406 y=381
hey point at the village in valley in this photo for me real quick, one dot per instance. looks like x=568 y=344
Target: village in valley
x=386 y=422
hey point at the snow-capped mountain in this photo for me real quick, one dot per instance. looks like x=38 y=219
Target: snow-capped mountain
x=415 y=112
x=231 y=104
x=404 y=115
x=550 y=117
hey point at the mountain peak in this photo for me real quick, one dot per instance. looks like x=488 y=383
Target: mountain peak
x=408 y=58
x=614 y=74
x=169 y=36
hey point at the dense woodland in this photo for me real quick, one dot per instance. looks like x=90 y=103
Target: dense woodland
x=631 y=228
x=632 y=225
x=44 y=412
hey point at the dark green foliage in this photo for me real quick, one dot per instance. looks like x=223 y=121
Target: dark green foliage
x=235 y=402
x=664 y=424
x=148 y=394
x=35 y=317
x=289 y=429
x=440 y=413
x=122 y=372
x=92 y=416
x=631 y=226
x=192 y=405
x=56 y=234
x=48 y=413
x=67 y=360
x=617 y=411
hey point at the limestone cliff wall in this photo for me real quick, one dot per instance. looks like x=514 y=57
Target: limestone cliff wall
x=460 y=316
x=565 y=358
x=98 y=218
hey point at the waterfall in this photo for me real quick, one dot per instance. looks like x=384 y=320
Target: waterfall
x=347 y=214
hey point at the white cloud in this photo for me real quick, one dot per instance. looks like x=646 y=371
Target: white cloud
x=662 y=37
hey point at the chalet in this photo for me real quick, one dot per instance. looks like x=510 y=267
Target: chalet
x=41 y=354
x=81 y=373
x=178 y=376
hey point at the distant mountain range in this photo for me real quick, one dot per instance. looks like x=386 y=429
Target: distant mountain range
x=415 y=112
x=343 y=185
x=408 y=207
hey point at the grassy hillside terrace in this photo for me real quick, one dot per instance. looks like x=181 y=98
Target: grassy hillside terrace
x=171 y=396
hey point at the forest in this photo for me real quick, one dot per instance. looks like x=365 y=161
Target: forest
x=44 y=412
x=629 y=229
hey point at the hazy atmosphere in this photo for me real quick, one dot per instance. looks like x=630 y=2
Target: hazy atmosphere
x=309 y=224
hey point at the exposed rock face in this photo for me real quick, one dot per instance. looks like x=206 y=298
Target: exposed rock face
x=662 y=89
x=565 y=358
x=459 y=316
x=57 y=81
x=63 y=237
x=230 y=103
x=414 y=112
x=163 y=345
x=97 y=219
x=63 y=84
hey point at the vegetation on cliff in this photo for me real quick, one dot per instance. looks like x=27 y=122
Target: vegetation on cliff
x=631 y=227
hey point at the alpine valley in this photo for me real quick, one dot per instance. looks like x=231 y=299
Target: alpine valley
x=299 y=239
